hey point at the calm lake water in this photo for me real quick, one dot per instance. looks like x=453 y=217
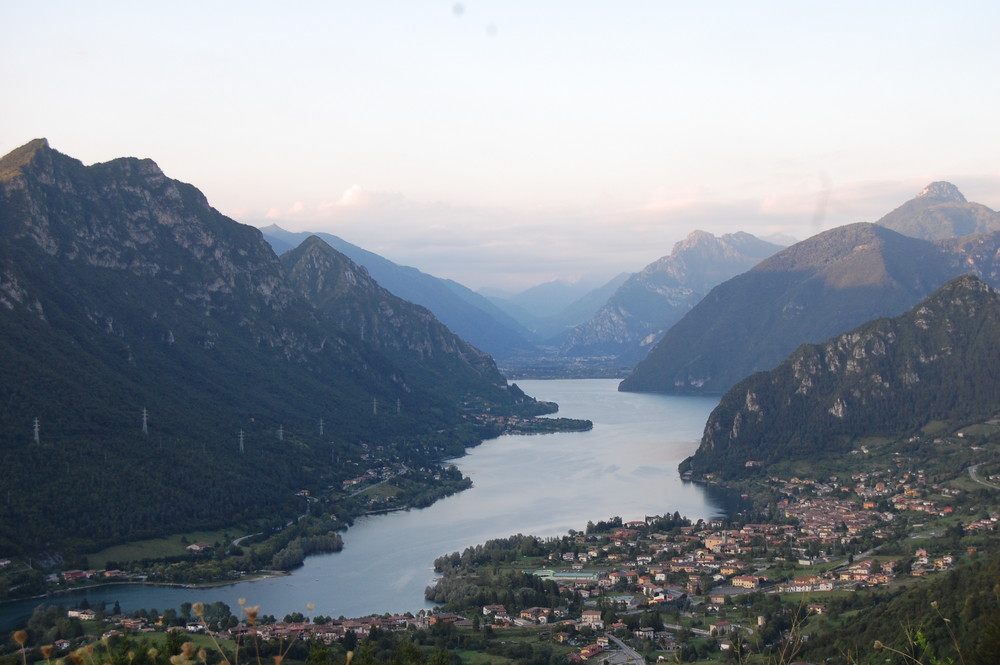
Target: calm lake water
x=543 y=485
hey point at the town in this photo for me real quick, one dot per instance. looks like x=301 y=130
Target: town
x=659 y=587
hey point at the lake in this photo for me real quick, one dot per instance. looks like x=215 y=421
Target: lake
x=540 y=484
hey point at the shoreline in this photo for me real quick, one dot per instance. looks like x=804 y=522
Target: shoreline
x=344 y=593
x=250 y=577
x=254 y=576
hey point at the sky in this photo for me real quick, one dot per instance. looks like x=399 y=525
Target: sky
x=508 y=143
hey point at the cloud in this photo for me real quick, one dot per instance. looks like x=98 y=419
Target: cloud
x=290 y=211
x=352 y=196
x=517 y=248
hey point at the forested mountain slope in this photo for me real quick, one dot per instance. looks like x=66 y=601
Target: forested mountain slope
x=822 y=286
x=161 y=370
x=886 y=378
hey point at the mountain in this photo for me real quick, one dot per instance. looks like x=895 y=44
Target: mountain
x=406 y=333
x=586 y=306
x=541 y=300
x=886 y=378
x=469 y=315
x=163 y=369
x=819 y=287
x=941 y=211
x=649 y=302
x=552 y=309
x=808 y=292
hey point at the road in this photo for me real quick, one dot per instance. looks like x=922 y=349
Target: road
x=628 y=655
x=973 y=473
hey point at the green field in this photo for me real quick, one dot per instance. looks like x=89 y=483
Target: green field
x=156 y=548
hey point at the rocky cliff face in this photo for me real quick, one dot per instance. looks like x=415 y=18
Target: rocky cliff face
x=127 y=215
x=885 y=378
x=650 y=301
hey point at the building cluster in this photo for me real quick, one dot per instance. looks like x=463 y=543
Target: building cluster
x=636 y=565
x=829 y=520
x=660 y=567
x=335 y=629
x=374 y=475
x=77 y=576
x=900 y=489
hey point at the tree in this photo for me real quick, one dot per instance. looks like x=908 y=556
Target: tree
x=173 y=643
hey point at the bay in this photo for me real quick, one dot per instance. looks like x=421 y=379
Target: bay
x=543 y=485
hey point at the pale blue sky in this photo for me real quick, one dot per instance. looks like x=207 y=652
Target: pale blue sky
x=506 y=143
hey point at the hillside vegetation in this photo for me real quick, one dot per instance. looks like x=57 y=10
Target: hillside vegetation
x=163 y=370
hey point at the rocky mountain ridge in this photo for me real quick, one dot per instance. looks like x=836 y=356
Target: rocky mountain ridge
x=469 y=315
x=887 y=378
x=409 y=334
x=652 y=300
x=808 y=292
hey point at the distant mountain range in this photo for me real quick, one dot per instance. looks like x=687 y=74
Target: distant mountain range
x=163 y=369
x=551 y=309
x=559 y=322
x=886 y=378
x=649 y=302
x=809 y=292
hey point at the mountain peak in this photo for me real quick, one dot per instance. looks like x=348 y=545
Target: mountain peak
x=940 y=211
x=12 y=162
x=315 y=243
x=943 y=192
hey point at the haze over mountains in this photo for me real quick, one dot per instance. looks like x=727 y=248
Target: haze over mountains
x=640 y=311
x=815 y=289
x=828 y=283
x=549 y=310
x=611 y=326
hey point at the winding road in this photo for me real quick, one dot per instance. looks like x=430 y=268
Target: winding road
x=973 y=473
